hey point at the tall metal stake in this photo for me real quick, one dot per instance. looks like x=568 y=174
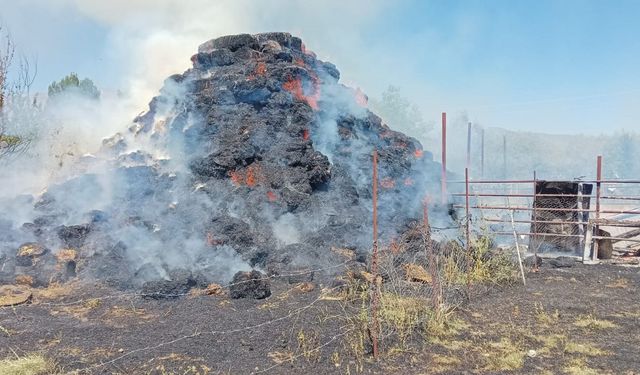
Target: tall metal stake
x=443 y=178
x=468 y=165
x=598 y=195
x=482 y=153
x=467 y=230
x=534 y=239
x=504 y=156
x=374 y=260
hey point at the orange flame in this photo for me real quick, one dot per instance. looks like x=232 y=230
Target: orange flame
x=250 y=177
x=299 y=62
x=418 y=153
x=294 y=86
x=305 y=134
x=271 y=196
x=387 y=183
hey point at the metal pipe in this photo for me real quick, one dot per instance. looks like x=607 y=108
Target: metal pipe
x=469 y=145
x=374 y=258
x=548 y=209
x=535 y=218
x=482 y=153
x=523 y=195
x=443 y=177
x=468 y=231
x=598 y=194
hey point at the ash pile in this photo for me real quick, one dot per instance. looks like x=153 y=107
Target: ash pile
x=256 y=158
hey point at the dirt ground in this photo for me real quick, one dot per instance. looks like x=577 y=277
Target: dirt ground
x=580 y=320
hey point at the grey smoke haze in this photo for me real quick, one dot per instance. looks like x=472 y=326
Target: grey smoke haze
x=508 y=65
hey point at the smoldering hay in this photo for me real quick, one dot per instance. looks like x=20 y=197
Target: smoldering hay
x=254 y=158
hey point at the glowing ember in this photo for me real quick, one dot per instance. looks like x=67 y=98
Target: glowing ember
x=271 y=196
x=236 y=178
x=298 y=62
x=418 y=153
x=387 y=183
x=251 y=177
x=261 y=69
x=305 y=134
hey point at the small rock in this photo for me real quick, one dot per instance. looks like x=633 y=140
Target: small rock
x=532 y=353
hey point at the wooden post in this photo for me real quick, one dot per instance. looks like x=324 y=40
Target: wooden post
x=374 y=260
x=443 y=177
x=598 y=195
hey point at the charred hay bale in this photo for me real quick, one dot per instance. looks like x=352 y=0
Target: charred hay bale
x=252 y=284
x=179 y=284
x=562 y=262
x=230 y=42
x=73 y=236
x=29 y=253
x=532 y=261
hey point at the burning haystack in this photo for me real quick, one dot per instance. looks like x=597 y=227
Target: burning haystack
x=255 y=158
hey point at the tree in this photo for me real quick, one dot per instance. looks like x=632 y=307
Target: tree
x=399 y=112
x=16 y=108
x=71 y=84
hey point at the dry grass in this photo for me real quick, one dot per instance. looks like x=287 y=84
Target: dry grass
x=32 y=364
x=593 y=323
x=544 y=318
x=584 y=349
x=280 y=357
x=578 y=366
x=444 y=364
x=503 y=355
x=55 y=291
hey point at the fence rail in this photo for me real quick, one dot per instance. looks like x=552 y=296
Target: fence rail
x=576 y=218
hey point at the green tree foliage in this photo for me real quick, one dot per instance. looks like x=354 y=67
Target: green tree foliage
x=399 y=113
x=71 y=84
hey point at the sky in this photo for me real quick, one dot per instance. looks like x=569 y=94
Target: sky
x=563 y=66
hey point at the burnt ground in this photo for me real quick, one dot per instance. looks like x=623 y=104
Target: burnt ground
x=580 y=320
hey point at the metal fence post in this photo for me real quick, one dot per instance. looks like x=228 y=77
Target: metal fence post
x=443 y=177
x=598 y=195
x=467 y=230
x=374 y=260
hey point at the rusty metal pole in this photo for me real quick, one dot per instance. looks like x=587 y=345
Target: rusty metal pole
x=504 y=156
x=482 y=153
x=374 y=260
x=469 y=145
x=533 y=240
x=443 y=178
x=598 y=195
x=467 y=230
